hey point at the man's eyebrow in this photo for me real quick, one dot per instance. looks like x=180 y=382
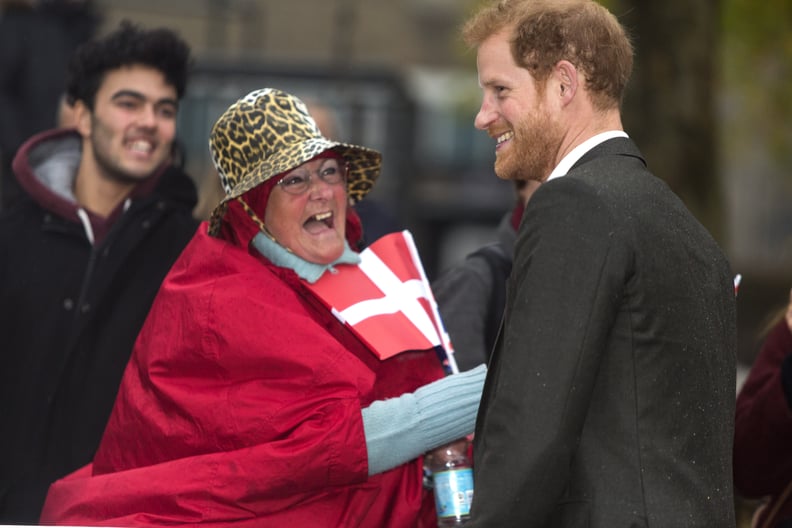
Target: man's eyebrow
x=128 y=93
x=491 y=82
x=168 y=101
x=139 y=96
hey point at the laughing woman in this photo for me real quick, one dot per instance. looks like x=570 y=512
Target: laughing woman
x=246 y=402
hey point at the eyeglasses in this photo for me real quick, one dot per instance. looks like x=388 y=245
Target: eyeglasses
x=299 y=180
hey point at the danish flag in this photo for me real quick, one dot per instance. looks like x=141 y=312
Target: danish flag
x=386 y=300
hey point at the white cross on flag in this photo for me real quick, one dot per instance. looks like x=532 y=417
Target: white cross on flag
x=386 y=299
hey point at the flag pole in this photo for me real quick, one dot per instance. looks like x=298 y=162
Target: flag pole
x=444 y=337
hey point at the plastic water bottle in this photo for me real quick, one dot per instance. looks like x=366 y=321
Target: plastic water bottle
x=453 y=484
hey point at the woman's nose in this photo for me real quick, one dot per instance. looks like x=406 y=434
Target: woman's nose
x=318 y=188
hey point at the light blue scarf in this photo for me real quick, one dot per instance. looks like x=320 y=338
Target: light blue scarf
x=309 y=271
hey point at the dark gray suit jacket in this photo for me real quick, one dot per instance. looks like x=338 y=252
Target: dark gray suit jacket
x=609 y=402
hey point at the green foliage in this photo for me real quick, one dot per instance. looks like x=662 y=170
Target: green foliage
x=757 y=70
x=760 y=27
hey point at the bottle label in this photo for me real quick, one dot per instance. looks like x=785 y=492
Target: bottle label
x=453 y=492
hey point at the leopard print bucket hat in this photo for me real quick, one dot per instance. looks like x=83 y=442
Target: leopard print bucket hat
x=269 y=132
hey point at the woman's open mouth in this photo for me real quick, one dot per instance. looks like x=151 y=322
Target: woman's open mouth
x=319 y=222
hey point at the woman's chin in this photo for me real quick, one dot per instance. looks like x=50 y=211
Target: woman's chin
x=325 y=253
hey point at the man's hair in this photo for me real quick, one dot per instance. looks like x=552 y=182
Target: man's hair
x=161 y=49
x=544 y=32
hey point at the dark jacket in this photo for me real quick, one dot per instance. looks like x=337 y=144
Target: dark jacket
x=70 y=312
x=609 y=400
x=763 y=430
x=35 y=47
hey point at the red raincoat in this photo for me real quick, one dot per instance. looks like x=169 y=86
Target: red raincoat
x=241 y=406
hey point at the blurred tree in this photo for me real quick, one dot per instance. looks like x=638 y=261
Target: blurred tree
x=670 y=108
x=757 y=72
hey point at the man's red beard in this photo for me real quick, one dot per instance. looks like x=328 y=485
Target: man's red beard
x=531 y=154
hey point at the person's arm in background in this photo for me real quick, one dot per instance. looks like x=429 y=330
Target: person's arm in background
x=463 y=299
x=472 y=294
x=763 y=422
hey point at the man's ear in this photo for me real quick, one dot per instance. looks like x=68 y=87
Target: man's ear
x=567 y=81
x=82 y=118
